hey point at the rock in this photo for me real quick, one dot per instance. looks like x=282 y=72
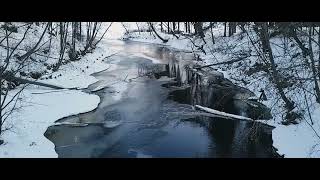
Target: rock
x=1 y=141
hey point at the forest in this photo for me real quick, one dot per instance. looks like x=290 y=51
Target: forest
x=65 y=83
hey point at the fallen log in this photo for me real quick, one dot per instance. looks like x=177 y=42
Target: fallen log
x=215 y=113
x=220 y=63
x=26 y=81
x=224 y=114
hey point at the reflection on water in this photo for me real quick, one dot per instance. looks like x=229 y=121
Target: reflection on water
x=152 y=117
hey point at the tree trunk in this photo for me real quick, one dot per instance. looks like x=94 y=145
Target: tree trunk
x=0 y=103
x=314 y=71
x=225 y=30
x=185 y=27
x=293 y=33
x=28 y=54
x=212 y=37
x=63 y=38
x=26 y=81
x=138 y=27
x=199 y=29
x=265 y=36
x=319 y=52
x=80 y=31
x=72 y=54
x=174 y=26
x=163 y=40
x=232 y=28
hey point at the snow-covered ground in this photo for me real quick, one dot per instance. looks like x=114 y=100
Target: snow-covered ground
x=38 y=112
x=39 y=107
x=294 y=140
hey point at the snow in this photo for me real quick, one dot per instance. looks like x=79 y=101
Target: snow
x=154 y=60
x=116 y=31
x=213 y=111
x=39 y=111
x=40 y=107
x=294 y=140
x=77 y=74
x=297 y=141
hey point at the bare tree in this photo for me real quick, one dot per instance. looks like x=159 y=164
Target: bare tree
x=8 y=102
x=153 y=29
x=32 y=50
x=63 y=42
x=103 y=34
x=275 y=75
x=313 y=67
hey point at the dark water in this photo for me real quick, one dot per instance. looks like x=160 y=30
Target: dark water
x=153 y=116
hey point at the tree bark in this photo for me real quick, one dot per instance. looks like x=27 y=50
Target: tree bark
x=0 y=105
x=212 y=37
x=63 y=38
x=185 y=27
x=28 y=54
x=163 y=40
x=314 y=71
x=319 y=53
x=275 y=75
x=225 y=30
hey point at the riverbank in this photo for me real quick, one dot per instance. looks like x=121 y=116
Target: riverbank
x=295 y=140
x=40 y=107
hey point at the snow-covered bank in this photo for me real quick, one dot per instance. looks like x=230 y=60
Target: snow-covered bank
x=40 y=107
x=298 y=140
x=38 y=112
x=77 y=74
